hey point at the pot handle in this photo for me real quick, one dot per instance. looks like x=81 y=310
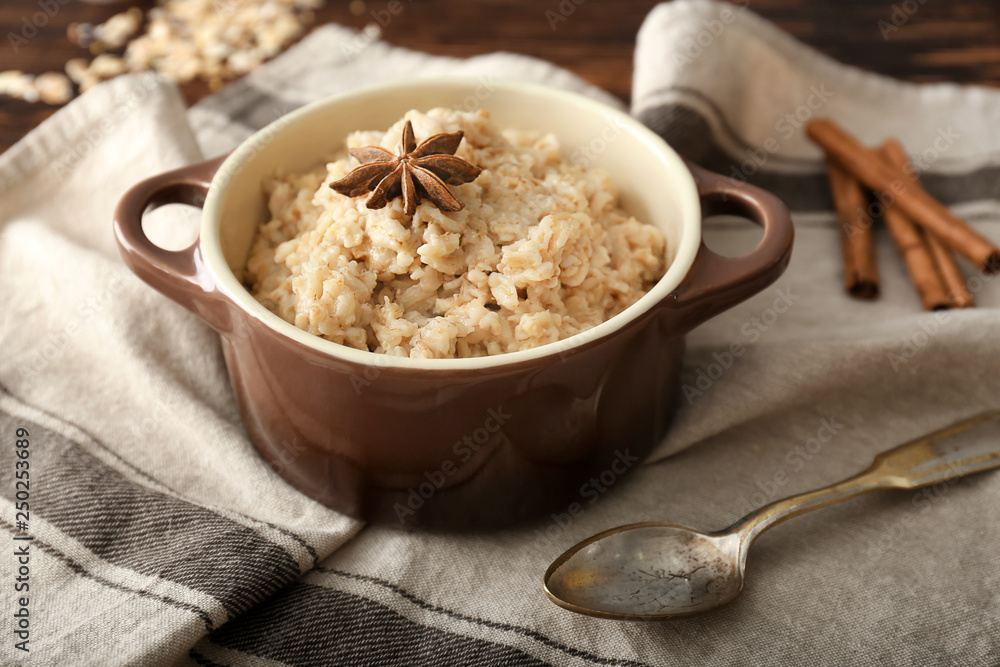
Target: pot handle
x=716 y=283
x=179 y=274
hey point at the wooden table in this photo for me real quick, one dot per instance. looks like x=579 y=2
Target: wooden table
x=953 y=40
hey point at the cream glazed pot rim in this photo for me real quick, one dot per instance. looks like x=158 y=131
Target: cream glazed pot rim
x=687 y=206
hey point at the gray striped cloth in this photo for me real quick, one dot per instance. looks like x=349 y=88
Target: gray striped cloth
x=158 y=537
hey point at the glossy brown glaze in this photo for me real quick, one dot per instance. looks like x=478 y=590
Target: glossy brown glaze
x=180 y=274
x=458 y=448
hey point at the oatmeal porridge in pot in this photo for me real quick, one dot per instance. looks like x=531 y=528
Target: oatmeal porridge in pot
x=540 y=249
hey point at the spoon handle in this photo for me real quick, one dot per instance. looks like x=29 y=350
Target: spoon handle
x=962 y=449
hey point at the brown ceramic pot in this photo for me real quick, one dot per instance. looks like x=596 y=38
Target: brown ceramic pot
x=456 y=442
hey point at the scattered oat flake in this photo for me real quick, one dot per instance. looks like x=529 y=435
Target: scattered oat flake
x=50 y=87
x=184 y=40
x=54 y=88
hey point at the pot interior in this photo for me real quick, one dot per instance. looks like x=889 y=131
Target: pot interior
x=654 y=183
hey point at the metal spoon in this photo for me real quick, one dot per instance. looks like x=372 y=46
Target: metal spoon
x=659 y=571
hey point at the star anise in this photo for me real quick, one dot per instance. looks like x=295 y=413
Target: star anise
x=417 y=170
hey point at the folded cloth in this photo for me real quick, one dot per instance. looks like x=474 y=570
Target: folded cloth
x=160 y=537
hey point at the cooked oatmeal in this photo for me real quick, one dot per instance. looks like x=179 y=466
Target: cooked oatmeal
x=541 y=250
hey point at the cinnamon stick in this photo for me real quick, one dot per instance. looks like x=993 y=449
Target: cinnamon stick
x=857 y=237
x=888 y=181
x=912 y=242
x=954 y=280
x=952 y=283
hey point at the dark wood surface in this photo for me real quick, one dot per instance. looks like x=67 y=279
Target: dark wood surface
x=938 y=40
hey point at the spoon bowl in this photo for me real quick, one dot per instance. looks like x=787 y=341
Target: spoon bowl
x=647 y=571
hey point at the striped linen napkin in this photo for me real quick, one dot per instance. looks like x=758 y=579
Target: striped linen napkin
x=158 y=536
